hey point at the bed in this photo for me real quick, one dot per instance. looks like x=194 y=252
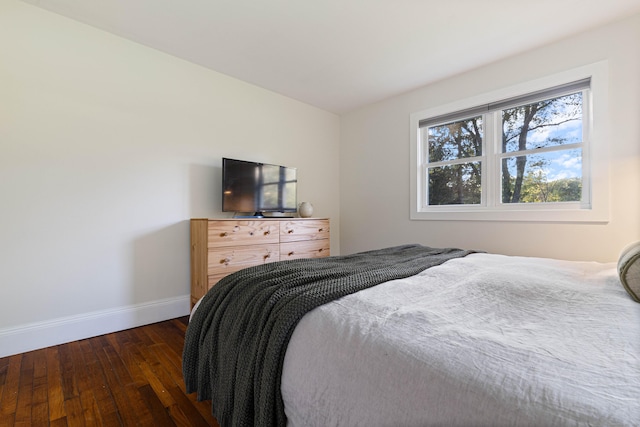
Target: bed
x=448 y=337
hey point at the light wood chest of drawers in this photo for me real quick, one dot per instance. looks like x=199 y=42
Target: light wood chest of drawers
x=223 y=246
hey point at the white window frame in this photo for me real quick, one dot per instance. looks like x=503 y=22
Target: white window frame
x=595 y=158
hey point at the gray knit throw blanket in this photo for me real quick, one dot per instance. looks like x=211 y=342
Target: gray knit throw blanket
x=236 y=341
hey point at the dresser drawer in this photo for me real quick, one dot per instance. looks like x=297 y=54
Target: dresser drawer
x=228 y=233
x=295 y=231
x=237 y=257
x=306 y=249
x=224 y=261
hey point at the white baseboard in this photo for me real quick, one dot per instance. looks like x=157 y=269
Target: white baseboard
x=39 y=335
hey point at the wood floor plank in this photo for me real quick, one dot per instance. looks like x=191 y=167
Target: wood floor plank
x=40 y=402
x=141 y=336
x=67 y=373
x=39 y=364
x=25 y=390
x=112 y=339
x=60 y=422
x=90 y=410
x=132 y=377
x=117 y=390
x=157 y=409
x=167 y=334
x=193 y=413
x=84 y=385
x=167 y=384
x=4 y=365
x=97 y=402
x=171 y=359
x=7 y=420
x=4 y=369
x=157 y=386
x=128 y=384
x=55 y=395
x=128 y=356
x=9 y=400
x=171 y=362
x=75 y=414
x=104 y=401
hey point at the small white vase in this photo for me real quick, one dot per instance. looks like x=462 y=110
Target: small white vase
x=305 y=210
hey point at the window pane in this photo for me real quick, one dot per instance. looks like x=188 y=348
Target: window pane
x=547 y=123
x=456 y=140
x=455 y=184
x=541 y=178
x=270 y=173
x=269 y=196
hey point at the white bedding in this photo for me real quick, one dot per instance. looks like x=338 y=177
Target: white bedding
x=480 y=340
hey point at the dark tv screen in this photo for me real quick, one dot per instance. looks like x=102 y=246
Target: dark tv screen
x=251 y=187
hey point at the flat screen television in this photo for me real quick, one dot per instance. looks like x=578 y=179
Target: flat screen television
x=255 y=188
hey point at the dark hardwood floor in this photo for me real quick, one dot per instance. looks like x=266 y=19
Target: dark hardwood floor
x=132 y=377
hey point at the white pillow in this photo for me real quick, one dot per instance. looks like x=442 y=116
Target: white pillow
x=629 y=270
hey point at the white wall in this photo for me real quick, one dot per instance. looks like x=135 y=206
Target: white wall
x=374 y=157
x=107 y=148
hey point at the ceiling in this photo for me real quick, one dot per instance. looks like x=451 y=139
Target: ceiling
x=339 y=55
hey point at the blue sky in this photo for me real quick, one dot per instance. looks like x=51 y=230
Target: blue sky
x=563 y=163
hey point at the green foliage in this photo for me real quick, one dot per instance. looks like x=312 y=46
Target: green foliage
x=458 y=183
x=536 y=189
x=455 y=185
x=456 y=140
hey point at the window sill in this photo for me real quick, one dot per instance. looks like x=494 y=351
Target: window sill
x=520 y=215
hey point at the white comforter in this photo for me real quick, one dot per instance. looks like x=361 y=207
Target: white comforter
x=481 y=340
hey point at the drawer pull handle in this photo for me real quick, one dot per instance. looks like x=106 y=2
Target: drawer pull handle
x=291 y=253
x=290 y=231
x=266 y=233
x=320 y=250
x=225 y=261
x=320 y=230
x=251 y=233
x=267 y=256
x=224 y=234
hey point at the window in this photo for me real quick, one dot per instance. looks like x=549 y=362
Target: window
x=525 y=156
x=453 y=166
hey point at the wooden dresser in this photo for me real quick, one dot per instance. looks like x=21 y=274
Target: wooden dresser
x=223 y=246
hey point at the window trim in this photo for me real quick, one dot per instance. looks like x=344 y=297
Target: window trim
x=596 y=153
